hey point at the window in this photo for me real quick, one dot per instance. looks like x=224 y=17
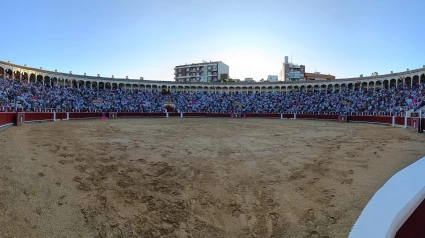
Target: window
x=180 y=75
x=180 y=70
x=209 y=67
x=214 y=67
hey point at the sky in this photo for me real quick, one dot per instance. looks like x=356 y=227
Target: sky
x=147 y=38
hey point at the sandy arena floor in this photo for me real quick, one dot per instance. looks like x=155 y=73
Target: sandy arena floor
x=195 y=177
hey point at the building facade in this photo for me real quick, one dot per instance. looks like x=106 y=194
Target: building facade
x=201 y=72
x=291 y=72
x=318 y=76
x=272 y=78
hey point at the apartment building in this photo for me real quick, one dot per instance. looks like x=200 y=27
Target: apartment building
x=201 y=72
x=291 y=72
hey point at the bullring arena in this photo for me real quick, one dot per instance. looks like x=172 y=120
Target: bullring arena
x=168 y=174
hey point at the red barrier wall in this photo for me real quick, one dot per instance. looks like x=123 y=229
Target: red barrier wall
x=374 y=119
x=201 y=114
x=82 y=115
x=38 y=116
x=399 y=121
x=173 y=114
x=61 y=116
x=287 y=115
x=7 y=118
x=141 y=114
x=267 y=115
x=317 y=116
x=415 y=224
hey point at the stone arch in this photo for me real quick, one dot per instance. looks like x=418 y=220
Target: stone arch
x=422 y=79
x=80 y=83
x=17 y=75
x=128 y=86
x=393 y=82
x=121 y=85
x=364 y=85
x=257 y=89
x=309 y=88
x=46 y=80
x=74 y=83
x=289 y=88
x=316 y=87
x=371 y=84
x=386 y=84
x=88 y=84
x=336 y=87
x=378 y=84
x=8 y=73
x=2 y=72
x=173 y=88
x=407 y=80
x=39 y=79
x=154 y=87
x=101 y=85
x=33 y=78
x=323 y=87
x=415 y=80
x=114 y=85
x=54 y=80
x=180 y=88
x=343 y=86
x=94 y=84
x=25 y=75
x=135 y=86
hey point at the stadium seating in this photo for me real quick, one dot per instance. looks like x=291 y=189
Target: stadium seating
x=25 y=96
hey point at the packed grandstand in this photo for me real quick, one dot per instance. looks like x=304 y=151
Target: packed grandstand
x=29 y=96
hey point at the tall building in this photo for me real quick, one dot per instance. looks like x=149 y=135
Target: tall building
x=291 y=72
x=201 y=72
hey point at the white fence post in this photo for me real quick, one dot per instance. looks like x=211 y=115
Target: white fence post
x=295 y=116
x=405 y=121
x=166 y=114
x=54 y=116
x=67 y=116
x=281 y=116
x=181 y=114
x=393 y=120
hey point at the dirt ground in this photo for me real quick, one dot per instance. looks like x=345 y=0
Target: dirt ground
x=195 y=177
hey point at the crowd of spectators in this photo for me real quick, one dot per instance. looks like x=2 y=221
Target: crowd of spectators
x=27 y=96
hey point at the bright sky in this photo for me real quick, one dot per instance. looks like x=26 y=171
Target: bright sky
x=149 y=37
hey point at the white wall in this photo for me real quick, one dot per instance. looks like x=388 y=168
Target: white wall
x=392 y=204
x=222 y=69
x=272 y=78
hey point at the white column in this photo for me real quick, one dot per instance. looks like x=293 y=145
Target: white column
x=405 y=120
x=67 y=116
x=54 y=116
